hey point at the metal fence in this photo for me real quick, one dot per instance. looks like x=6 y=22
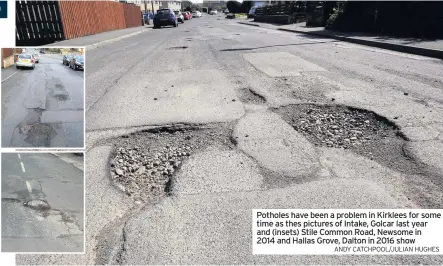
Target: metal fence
x=43 y=22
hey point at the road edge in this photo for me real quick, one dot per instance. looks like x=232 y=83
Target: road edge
x=69 y=161
x=384 y=45
x=99 y=44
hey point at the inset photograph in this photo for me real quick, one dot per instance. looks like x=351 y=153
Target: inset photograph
x=42 y=202
x=43 y=97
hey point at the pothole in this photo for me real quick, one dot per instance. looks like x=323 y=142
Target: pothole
x=143 y=163
x=361 y=131
x=37 y=204
x=247 y=95
x=37 y=134
x=178 y=48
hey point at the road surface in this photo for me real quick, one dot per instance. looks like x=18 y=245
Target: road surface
x=43 y=107
x=212 y=72
x=42 y=204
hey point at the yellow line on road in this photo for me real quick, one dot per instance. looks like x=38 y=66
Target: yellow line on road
x=23 y=167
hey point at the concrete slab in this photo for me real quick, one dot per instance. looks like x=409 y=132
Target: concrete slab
x=217 y=171
x=216 y=228
x=280 y=64
x=275 y=144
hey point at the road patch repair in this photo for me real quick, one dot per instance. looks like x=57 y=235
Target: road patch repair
x=44 y=107
x=280 y=64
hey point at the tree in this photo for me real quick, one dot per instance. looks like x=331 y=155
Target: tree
x=246 y=6
x=234 y=6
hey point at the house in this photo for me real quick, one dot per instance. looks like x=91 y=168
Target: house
x=7 y=58
x=147 y=5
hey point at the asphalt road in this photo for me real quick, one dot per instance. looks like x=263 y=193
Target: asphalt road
x=43 y=107
x=42 y=204
x=197 y=74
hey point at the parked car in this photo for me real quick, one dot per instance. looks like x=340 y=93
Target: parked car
x=196 y=14
x=180 y=17
x=187 y=15
x=147 y=17
x=226 y=11
x=165 y=17
x=77 y=62
x=213 y=12
x=251 y=13
x=67 y=59
x=36 y=57
x=230 y=16
x=25 y=60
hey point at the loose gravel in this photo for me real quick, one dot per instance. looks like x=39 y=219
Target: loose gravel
x=144 y=162
x=340 y=127
x=362 y=131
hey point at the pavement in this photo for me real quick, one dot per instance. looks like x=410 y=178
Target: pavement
x=96 y=40
x=42 y=204
x=425 y=47
x=43 y=107
x=211 y=71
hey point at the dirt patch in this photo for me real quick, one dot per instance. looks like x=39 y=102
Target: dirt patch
x=247 y=95
x=143 y=163
x=361 y=131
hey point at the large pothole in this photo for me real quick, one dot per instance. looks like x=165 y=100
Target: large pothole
x=144 y=162
x=361 y=131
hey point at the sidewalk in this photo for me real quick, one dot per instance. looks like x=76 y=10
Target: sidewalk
x=71 y=158
x=431 y=48
x=96 y=40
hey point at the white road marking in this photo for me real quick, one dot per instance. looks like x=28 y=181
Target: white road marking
x=23 y=167
x=28 y=185
x=19 y=156
x=10 y=76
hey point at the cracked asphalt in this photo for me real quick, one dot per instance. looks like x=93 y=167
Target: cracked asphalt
x=42 y=203
x=43 y=107
x=240 y=76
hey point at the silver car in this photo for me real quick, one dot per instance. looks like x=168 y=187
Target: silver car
x=36 y=57
x=179 y=15
x=25 y=60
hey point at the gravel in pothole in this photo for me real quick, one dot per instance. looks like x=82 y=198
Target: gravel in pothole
x=361 y=131
x=339 y=126
x=144 y=162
